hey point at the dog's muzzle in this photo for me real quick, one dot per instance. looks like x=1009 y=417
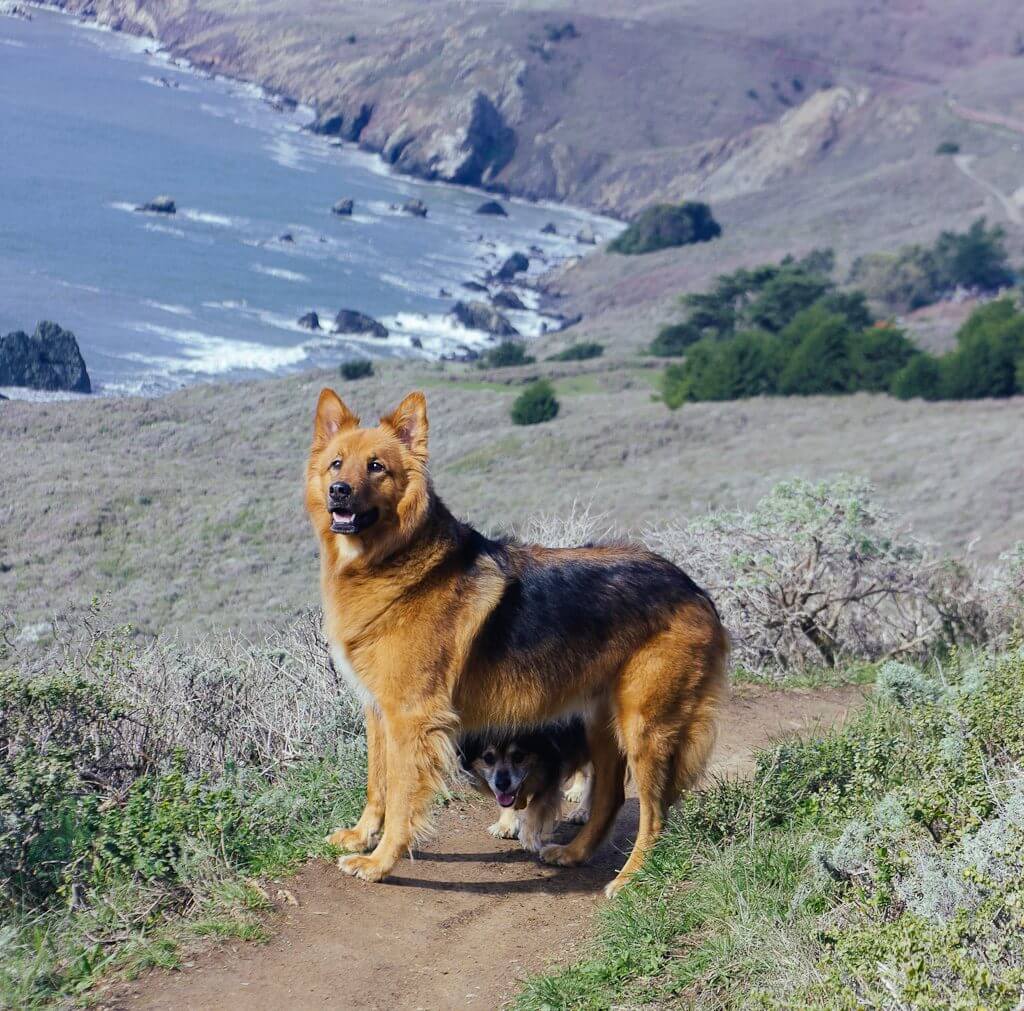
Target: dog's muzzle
x=346 y=520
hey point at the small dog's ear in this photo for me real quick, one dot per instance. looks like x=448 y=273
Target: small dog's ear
x=331 y=417
x=409 y=422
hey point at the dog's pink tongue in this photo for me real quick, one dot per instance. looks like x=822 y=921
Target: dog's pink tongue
x=506 y=799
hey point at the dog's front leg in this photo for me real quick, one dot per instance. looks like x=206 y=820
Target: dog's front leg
x=364 y=834
x=419 y=754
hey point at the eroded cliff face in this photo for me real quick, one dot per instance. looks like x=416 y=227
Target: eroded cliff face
x=632 y=102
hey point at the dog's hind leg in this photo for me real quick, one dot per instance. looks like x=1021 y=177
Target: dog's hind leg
x=363 y=835
x=668 y=699
x=606 y=798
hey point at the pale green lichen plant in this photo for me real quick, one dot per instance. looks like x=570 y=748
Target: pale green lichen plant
x=817 y=575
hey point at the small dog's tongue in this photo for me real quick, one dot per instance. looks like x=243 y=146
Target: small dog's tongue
x=505 y=799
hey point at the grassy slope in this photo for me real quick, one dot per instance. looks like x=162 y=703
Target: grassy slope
x=879 y=866
x=186 y=511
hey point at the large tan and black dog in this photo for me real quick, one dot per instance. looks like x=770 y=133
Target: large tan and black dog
x=441 y=629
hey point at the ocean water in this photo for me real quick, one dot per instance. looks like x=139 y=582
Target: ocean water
x=93 y=124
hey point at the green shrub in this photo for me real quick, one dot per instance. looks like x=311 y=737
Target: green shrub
x=986 y=362
x=578 y=352
x=746 y=366
x=920 y=377
x=536 y=404
x=767 y=297
x=505 y=355
x=917 y=275
x=357 y=368
x=820 y=360
x=948 y=147
x=876 y=355
x=673 y=339
x=665 y=225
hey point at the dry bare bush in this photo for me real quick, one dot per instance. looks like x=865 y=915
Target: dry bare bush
x=214 y=703
x=1006 y=596
x=580 y=524
x=815 y=574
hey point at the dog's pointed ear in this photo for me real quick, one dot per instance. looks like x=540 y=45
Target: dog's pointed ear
x=331 y=417
x=409 y=422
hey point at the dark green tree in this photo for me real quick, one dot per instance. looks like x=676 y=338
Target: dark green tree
x=536 y=404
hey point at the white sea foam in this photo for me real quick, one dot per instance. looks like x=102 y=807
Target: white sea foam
x=287 y=155
x=174 y=310
x=214 y=355
x=281 y=273
x=13 y=43
x=209 y=218
x=178 y=233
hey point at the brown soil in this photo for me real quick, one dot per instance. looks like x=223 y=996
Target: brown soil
x=461 y=924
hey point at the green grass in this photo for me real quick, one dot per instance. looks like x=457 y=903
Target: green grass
x=135 y=919
x=879 y=865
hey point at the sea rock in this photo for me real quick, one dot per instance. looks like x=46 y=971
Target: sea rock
x=159 y=205
x=311 y=321
x=416 y=207
x=474 y=286
x=515 y=264
x=585 y=236
x=415 y=342
x=506 y=299
x=549 y=229
x=493 y=208
x=481 y=316
x=48 y=360
x=286 y=237
x=343 y=208
x=351 y=321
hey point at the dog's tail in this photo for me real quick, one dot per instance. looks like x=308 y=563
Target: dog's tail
x=695 y=747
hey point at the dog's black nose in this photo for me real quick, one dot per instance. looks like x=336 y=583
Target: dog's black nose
x=503 y=781
x=341 y=489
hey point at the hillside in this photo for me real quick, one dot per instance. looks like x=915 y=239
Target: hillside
x=803 y=127
x=186 y=510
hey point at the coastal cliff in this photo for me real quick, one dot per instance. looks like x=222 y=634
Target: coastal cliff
x=609 y=111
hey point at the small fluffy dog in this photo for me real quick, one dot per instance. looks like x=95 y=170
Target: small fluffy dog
x=525 y=771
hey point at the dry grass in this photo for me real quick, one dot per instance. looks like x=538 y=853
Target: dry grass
x=186 y=511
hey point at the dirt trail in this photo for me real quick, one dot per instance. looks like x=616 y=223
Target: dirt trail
x=459 y=926
x=965 y=163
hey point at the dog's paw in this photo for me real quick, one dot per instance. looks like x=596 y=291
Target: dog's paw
x=580 y=815
x=531 y=839
x=573 y=793
x=615 y=886
x=502 y=829
x=365 y=868
x=353 y=840
x=560 y=856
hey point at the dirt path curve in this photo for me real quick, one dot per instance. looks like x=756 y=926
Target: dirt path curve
x=965 y=163
x=459 y=926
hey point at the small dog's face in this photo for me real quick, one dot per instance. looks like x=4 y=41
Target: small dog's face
x=357 y=477
x=504 y=768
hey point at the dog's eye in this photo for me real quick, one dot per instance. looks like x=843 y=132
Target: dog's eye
x=375 y=467
x=336 y=465
x=488 y=757
x=515 y=757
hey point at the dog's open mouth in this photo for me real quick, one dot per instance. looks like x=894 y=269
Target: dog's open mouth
x=345 y=521
x=505 y=799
